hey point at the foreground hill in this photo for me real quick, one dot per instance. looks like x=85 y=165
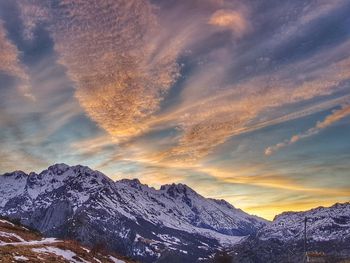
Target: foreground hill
x=125 y=216
x=19 y=244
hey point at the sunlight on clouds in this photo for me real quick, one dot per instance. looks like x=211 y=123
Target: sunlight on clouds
x=170 y=82
x=212 y=120
x=124 y=65
x=11 y=64
x=230 y=19
x=272 y=180
x=269 y=211
x=328 y=121
x=9 y=56
x=111 y=56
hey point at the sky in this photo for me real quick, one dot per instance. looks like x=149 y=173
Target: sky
x=247 y=101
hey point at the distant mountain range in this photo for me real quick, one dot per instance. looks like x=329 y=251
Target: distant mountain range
x=172 y=224
x=282 y=240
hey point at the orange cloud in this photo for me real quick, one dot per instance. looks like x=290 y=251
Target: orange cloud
x=269 y=211
x=113 y=58
x=328 y=121
x=11 y=64
x=230 y=19
x=124 y=61
x=269 y=180
x=9 y=56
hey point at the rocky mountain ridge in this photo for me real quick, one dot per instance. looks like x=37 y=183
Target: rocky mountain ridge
x=127 y=216
x=153 y=225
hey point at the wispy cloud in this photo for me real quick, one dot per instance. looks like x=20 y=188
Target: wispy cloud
x=124 y=61
x=9 y=55
x=113 y=56
x=11 y=64
x=328 y=121
x=169 y=86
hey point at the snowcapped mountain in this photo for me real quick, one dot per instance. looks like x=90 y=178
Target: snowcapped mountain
x=124 y=216
x=282 y=240
x=323 y=224
x=173 y=222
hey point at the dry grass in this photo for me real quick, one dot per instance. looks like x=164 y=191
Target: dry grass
x=8 y=253
x=21 y=231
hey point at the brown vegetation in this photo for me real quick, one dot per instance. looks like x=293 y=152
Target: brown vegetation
x=17 y=250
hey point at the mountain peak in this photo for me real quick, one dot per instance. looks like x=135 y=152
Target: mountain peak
x=59 y=168
x=17 y=174
x=314 y=211
x=73 y=171
x=133 y=181
x=177 y=189
x=180 y=187
x=79 y=202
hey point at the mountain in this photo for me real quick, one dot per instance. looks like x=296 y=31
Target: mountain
x=322 y=224
x=282 y=240
x=125 y=216
x=171 y=224
x=20 y=244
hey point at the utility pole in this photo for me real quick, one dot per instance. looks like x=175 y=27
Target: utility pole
x=305 y=244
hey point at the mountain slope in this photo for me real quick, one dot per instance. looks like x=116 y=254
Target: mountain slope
x=323 y=224
x=19 y=244
x=328 y=231
x=124 y=216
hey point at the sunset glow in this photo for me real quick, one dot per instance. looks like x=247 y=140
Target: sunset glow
x=247 y=101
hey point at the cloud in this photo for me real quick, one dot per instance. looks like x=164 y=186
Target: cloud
x=328 y=121
x=230 y=19
x=271 y=209
x=123 y=61
x=250 y=105
x=32 y=14
x=112 y=56
x=172 y=84
x=255 y=175
x=124 y=57
x=9 y=56
x=125 y=64
x=11 y=63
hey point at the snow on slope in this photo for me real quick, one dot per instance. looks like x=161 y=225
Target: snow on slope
x=323 y=224
x=28 y=246
x=66 y=254
x=178 y=206
x=144 y=222
x=174 y=206
x=59 y=199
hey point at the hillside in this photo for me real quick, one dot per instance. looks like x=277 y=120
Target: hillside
x=19 y=244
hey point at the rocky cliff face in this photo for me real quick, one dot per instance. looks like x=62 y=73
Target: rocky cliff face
x=124 y=216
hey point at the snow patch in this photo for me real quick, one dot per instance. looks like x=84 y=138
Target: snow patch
x=115 y=260
x=20 y=258
x=66 y=254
